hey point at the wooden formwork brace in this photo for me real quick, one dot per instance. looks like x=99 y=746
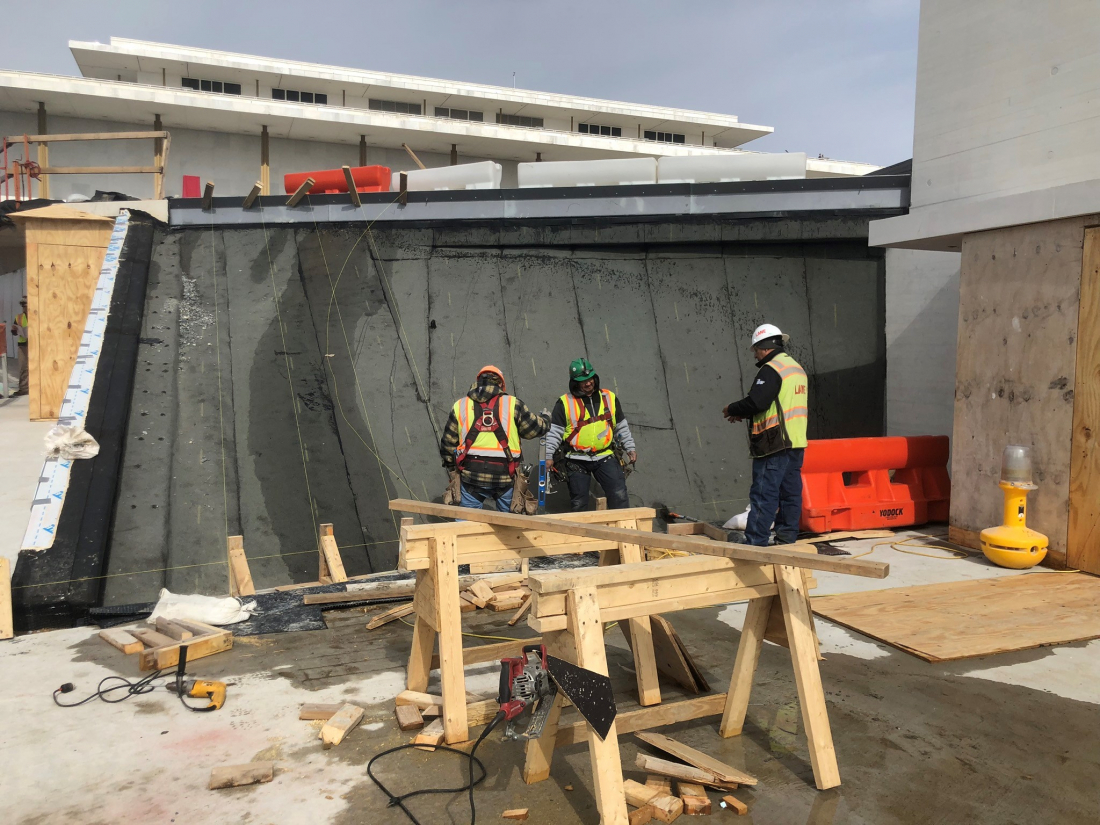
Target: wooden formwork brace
x=330 y=564
x=434 y=551
x=240 y=577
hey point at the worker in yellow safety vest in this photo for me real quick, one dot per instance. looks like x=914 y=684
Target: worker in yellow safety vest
x=19 y=330
x=777 y=409
x=481 y=444
x=590 y=438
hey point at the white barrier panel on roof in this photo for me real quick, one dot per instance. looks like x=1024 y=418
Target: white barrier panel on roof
x=587 y=172
x=484 y=175
x=724 y=168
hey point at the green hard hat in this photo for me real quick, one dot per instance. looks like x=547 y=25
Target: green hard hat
x=581 y=370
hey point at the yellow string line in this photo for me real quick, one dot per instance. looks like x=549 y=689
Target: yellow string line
x=286 y=359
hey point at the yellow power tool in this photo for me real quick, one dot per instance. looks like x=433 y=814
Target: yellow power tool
x=197 y=688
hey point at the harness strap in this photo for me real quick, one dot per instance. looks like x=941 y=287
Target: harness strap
x=479 y=426
x=586 y=420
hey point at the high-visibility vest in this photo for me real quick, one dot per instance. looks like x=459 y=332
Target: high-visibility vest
x=21 y=320
x=587 y=434
x=496 y=418
x=793 y=399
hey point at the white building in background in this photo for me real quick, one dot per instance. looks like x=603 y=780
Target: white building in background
x=221 y=107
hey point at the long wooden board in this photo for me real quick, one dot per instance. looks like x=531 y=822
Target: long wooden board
x=662 y=541
x=1083 y=545
x=961 y=620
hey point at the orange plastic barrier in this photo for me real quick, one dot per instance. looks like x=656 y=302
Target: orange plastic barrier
x=331 y=181
x=918 y=491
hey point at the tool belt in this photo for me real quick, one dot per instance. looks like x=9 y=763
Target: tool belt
x=524 y=502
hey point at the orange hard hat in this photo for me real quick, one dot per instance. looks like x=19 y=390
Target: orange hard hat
x=493 y=371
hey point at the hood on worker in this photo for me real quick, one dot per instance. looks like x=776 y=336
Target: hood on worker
x=484 y=389
x=575 y=386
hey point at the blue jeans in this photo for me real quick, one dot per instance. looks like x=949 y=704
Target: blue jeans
x=609 y=473
x=775 y=495
x=474 y=496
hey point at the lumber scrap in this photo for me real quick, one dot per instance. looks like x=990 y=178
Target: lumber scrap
x=652 y=717
x=353 y=193
x=208 y=196
x=490 y=653
x=235 y=776
x=173 y=630
x=662 y=541
x=666 y=807
x=150 y=638
x=340 y=724
x=733 y=802
x=481 y=593
x=240 y=577
x=673 y=659
x=502 y=606
x=642 y=815
x=431 y=736
x=686 y=772
x=659 y=783
x=390 y=615
x=695 y=799
x=516 y=814
x=314 y=711
x=419 y=699
x=301 y=192
x=519 y=614
x=698 y=759
x=199 y=647
x=7 y=624
x=330 y=565
x=117 y=637
x=408 y=717
x=250 y=198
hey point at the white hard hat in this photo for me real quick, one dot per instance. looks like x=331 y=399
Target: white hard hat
x=765 y=331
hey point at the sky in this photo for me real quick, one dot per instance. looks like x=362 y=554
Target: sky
x=834 y=78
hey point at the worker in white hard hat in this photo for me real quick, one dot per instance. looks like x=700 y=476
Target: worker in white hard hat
x=776 y=408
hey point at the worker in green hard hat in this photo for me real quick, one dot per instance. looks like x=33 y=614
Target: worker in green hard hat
x=590 y=438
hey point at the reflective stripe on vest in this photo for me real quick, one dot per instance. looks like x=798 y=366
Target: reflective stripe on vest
x=793 y=398
x=596 y=435
x=486 y=443
x=21 y=320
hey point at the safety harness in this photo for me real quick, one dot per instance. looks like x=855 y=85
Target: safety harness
x=585 y=420
x=486 y=420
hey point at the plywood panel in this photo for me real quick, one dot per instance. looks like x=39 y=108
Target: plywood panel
x=1084 y=483
x=66 y=277
x=1015 y=371
x=961 y=620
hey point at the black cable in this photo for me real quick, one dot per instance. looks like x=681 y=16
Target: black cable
x=138 y=688
x=399 y=801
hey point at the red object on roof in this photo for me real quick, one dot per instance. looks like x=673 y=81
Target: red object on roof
x=331 y=181
x=192 y=187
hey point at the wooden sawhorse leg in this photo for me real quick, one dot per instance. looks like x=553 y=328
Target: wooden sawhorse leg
x=798 y=621
x=540 y=752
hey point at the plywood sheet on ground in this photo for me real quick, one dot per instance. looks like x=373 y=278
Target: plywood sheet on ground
x=962 y=620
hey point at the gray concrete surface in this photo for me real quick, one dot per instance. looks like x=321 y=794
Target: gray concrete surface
x=1007 y=738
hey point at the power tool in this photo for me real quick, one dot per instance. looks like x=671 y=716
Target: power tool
x=196 y=688
x=531 y=682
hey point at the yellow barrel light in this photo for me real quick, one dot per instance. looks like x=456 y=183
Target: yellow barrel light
x=1013 y=544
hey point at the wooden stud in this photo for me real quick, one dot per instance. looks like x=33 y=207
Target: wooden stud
x=403 y=196
x=235 y=776
x=353 y=193
x=250 y=198
x=491 y=653
x=265 y=162
x=330 y=565
x=65 y=138
x=7 y=625
x=117 y=637
x=521 y=612
x=652 y=764
x=158 y=160
x=811 y=695
x=516 y=814
x=1083 y=549
x=412 y=155
x=393 y=614
x=419 y=699
x=657 y=716
x=641 y=633
x=315 y=711
x=431 y=736
x=659 y=783
x=452 y=678
x=607 y=775
x=725 y=773
x=240 y=577
x=740 y=807
x=665 y=807
x=642 y=815
x=408 y=717
x=695 y=799
x=301 y=192
x=159 y=658
x=173 y=630
x=152 y=639
x=341 y=723
x=208 y=196
x=43 y=153
x=744 y=667
x=99 y=170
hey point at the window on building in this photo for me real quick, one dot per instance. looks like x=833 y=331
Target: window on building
x=398 y=106
x=605 y=131
x=520 y=120
x=460 y=114
x=299 y=97
x=663 y=137
x=215 y=86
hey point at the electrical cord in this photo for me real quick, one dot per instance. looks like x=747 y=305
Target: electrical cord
x=138 y=688
x=399 y=801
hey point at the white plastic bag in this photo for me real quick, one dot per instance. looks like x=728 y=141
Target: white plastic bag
x=64 y=441
x=215 y=610
x=740 y=521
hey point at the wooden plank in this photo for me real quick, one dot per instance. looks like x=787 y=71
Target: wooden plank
x=159 y=658
x=208 y=196
x=641 y=632
x=150 y=638
x=744 y=666
x=733 y=802
x=333 y=560
x=114 y=636
x=687 y=544
x=811 y=695
x=390 y=615
x=353 y=193
x=659 y=783
x=668 y=713
x=695 y=799
x=1083 y=543
x=418 y=699
x=7 y=625
x=964 y=538
x=725 y=773
x=519 y=614
x=677 y=771
x=515 y=814
x=101 y=170
x=412 y=155
x=313 y=711
x=173 y=630
x=92 y=136
x=499 y=606
x=981 y=617
x=236 y=776
x=481 y=593
x=642 y=815
x=240 y=577
x=607 y=774
x=408 y=717
x=491 y=653
x=701 y=683
x=665 y=807
x=341 y=723
x=251 y=197
x=431 y=736
x=852 y=534
x=199 y=628
x=451 y=676
x=301 y=192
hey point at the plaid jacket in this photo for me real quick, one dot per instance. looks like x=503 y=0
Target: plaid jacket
x=528 y=425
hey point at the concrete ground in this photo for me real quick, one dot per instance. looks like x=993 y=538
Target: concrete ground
x=21 y=454
x=1005 y=739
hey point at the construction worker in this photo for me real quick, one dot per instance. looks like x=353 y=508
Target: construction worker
x=19 y=330
x=481 y=442
x=589 y=427
x=776 y=408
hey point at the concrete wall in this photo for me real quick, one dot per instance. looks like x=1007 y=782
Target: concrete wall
x=232 y=161
x=1008 y=98
x=922 y=312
